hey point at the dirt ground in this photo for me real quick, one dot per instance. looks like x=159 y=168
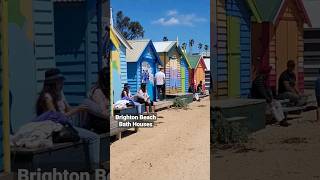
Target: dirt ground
x=178 y=148
x=277 y=153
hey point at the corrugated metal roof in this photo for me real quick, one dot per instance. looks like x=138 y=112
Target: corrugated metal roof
x=207 y=63
x=138 y=46
x=164 y=46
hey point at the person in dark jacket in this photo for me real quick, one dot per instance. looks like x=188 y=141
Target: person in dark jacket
x=261 y=90
x=287 y=87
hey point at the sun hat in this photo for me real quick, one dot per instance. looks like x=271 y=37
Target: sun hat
x=53 y=74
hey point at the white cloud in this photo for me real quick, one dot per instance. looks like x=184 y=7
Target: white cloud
x=167 y=22
x=173 y=18
x=172 y=12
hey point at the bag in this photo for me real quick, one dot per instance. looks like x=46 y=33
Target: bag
x=66 y=134
x=98 y=125
x=196 y=97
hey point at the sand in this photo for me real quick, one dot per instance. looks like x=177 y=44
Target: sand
x=177 y=148
x=274 y=153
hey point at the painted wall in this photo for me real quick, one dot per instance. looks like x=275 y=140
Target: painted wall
x=199 y=74
x=30 y=24
x=143 y=71
x=119 y=71
x=77 y=53
x=172 y=71
x=239 y=9
x=221 y=62
x=184 y=69
x=280 y=43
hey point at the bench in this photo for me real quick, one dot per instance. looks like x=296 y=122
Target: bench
x=63 y=156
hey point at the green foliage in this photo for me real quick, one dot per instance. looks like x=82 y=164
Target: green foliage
x=226 y=132
x=180 y=103
x=129 y=29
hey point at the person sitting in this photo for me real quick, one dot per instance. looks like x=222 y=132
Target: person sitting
x=200 y=88
x=99 y=95
x=261 y=90
x=51 y=99
x=191 y=89
x=143 y=98
x=126 y=95
x=287 y=86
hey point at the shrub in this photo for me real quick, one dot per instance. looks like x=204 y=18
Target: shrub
x=180 y=103
x=226 y=132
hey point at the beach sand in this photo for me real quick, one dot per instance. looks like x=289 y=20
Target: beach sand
x=178 y=148
x=274 y=153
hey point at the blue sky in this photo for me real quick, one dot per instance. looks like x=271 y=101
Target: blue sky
x=183 y=18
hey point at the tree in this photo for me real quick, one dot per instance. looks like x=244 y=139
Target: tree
x=191 y=43
x=129 y=29
x=165 y=38
x=206 y=48
x=200 y=47
x=184 y=46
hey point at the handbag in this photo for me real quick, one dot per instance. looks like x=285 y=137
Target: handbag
x=66 y=134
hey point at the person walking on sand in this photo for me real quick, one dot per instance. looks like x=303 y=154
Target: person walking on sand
x=261 y=90
x=160 y=83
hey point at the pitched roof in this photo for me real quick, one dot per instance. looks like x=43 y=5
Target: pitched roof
x=269 y=10
x=120 y=37
x=164 y=46
x=184 y=54
x=253 y=7
x=194 y=60
x=138 y=46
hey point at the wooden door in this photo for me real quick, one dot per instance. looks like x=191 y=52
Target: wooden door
x=286 y=46
x=183 y=78
x=234 y=57
x=147 y=76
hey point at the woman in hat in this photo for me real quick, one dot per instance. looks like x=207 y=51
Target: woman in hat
x=51 y=99
x=143 y=98
x=126 y=94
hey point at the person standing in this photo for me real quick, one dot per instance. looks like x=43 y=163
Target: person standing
x=160 y=83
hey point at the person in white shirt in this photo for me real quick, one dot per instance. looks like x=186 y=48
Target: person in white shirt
x=160 y=83
x=143 y=97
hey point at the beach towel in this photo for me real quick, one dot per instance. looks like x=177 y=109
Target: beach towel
x=36 y=134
